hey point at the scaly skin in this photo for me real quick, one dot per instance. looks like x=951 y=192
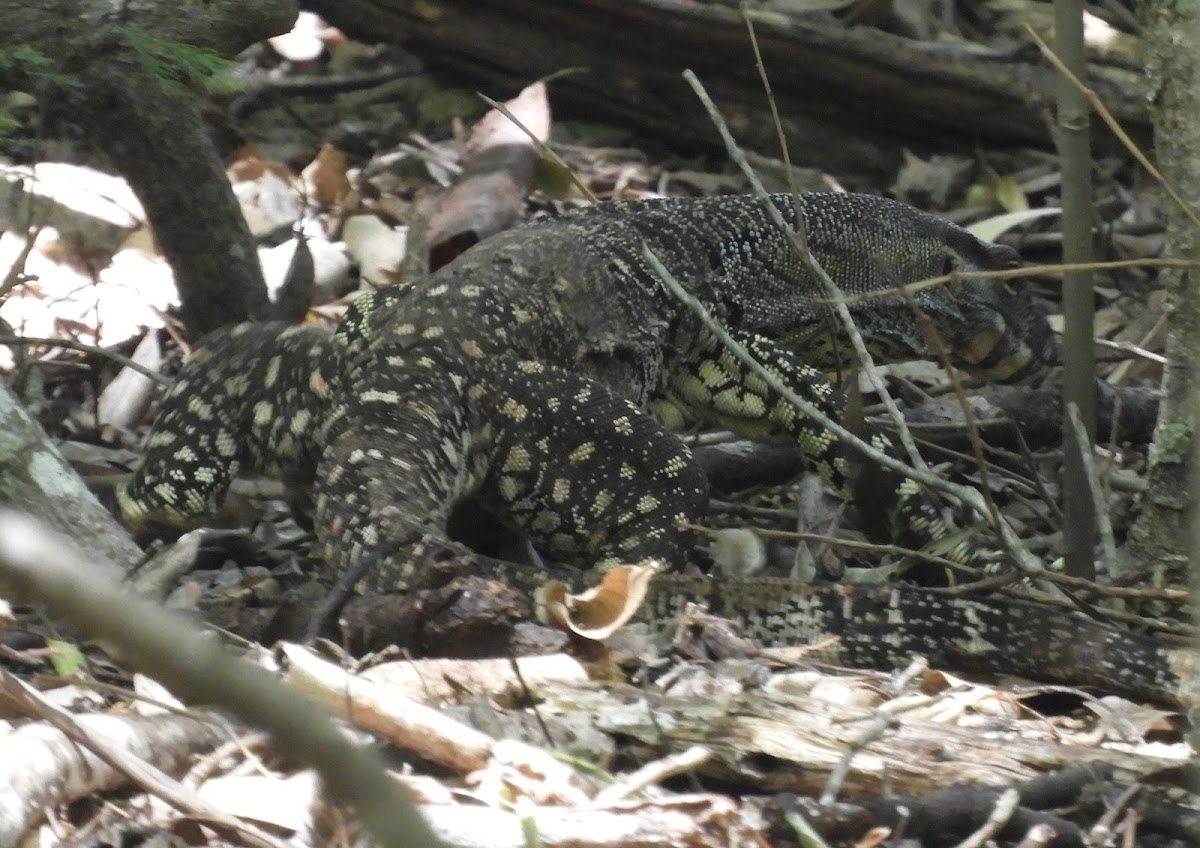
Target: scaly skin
x=522 y=374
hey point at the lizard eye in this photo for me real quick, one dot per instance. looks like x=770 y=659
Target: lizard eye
x=948 y=266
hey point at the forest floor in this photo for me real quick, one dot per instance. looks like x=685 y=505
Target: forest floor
x=700 y=739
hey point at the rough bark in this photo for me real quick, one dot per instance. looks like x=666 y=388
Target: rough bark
x=1163 y=534
x=151 y=130
x=852 y=97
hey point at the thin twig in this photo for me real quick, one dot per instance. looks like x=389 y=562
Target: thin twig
x=1026 y=454
x=651 y=773
x=984 y=584
x=528 y=697
x=1014 y=274
x=766 y=84
x=16 y=275
x=943 y=355
x=929 y=446
x=806 y=834
x=1175 y=596
x=799 y=240
x=1098 y=106
x=850 y=544
x=84 y=347
x=539 y=145
x=1107 y=823
x=1002 y=812
x=138 y=771
x=1108 y=544
x=902 y=681
x=1138 y=349
x=969 y=496
x=1103 y=614
x=1038 y=836
x=879 y=725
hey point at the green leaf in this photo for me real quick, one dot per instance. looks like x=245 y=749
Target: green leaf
x=177 y=65
x=1010 y=196
x=66 y=658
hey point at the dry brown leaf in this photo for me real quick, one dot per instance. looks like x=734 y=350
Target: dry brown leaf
x=1125 y=720
x=531 y=107
x=325 y=180
x=498 y=166
x=599 y=611
x=248 y=165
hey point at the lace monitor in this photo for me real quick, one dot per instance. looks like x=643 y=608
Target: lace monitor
x=525 y=373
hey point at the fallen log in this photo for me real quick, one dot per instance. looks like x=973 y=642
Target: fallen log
x=851 y=97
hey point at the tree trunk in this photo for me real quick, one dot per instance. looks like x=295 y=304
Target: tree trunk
x=122 y=88
x=1163 y=535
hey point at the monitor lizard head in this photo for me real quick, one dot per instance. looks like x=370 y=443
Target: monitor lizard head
x=991 y=328
x=873 y=248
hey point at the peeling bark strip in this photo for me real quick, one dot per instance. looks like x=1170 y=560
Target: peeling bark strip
x=851 y=98
x=882 y=626
x=35 y=479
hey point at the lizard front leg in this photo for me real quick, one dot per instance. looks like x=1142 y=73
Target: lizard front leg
x=589 y=478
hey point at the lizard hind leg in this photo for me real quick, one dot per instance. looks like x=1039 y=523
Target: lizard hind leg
x=400 y=452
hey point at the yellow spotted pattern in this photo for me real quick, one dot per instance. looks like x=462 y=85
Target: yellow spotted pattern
x=521 y=373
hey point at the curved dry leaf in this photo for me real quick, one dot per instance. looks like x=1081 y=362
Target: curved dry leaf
x=325 y=180
x=550 y=605
x=990 y=229
x=498 y=165
x=599 y=611
x=531 y=107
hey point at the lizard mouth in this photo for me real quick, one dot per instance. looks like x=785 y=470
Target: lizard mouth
x=1010 y=340
x=997 y=356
